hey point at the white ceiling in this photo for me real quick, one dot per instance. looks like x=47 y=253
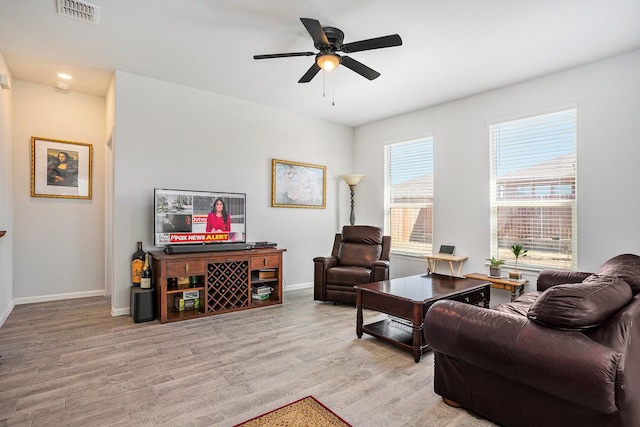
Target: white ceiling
x=451 y=48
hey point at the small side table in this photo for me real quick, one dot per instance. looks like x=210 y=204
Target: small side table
x=143 y=304
x=516 y=287
x=433 y=260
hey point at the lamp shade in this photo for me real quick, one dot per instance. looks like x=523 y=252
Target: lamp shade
x=352 y=179
x=328 y=61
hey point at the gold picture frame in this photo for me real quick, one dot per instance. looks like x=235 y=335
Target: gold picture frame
x=298 y=185
x=61 y=169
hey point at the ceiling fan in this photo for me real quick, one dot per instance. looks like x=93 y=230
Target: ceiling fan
x=328 y=40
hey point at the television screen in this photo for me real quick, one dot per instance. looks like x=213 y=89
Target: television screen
x=198 y=217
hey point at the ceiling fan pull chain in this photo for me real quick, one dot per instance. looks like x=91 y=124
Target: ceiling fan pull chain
x=333 y=90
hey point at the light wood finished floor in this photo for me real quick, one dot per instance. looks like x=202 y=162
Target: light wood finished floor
x=69 y=363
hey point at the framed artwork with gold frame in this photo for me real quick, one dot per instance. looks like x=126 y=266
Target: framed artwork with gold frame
x=298 y=185
x=61 y=169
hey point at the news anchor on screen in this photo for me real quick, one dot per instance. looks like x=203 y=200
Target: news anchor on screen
x=218 y=219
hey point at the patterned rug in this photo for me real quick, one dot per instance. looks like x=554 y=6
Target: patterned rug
x=306 y=412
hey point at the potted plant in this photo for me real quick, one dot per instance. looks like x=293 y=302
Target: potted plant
x=518 y=251
x=495 y=269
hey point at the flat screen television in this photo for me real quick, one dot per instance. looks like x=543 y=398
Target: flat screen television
x=191 y=217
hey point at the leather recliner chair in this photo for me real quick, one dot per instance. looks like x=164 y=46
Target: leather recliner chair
x=360 y=255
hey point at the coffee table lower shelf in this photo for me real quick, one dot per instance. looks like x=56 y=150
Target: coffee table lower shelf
x=395 y=333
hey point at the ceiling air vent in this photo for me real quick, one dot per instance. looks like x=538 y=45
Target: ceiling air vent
x=79 y=10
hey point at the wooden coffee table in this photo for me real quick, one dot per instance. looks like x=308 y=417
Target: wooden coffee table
x=409 y=298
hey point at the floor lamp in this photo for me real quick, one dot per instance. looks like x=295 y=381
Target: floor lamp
x=352 y=180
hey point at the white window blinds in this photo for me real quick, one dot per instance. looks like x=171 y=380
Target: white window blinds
x=533 y=189
x=408 y=197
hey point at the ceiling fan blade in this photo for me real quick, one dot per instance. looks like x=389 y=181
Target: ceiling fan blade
x=360 y=68
x=317 y=33
x=369 y=44
x=311 y=73
x=283 y=55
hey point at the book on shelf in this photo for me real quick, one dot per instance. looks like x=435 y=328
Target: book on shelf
x=190 y=294
x=262 y=290
x=267 y=273
x=182 y=304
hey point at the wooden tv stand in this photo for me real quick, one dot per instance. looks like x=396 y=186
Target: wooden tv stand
x=223 y=279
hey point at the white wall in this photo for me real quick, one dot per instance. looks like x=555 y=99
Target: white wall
x=6 y=194
x=58 y=246
x=607 y=95
x=171 y=136
x=176 y=137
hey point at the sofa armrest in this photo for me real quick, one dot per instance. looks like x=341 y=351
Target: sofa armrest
x=325 y=262
x=549 y=278
x=444 y=327
x=566 y=364
x=380 y=270
x=320 y=266
x=622 y=333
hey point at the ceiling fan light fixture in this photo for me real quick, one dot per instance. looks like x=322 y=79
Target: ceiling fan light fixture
x=328 y=61
x=328 y=41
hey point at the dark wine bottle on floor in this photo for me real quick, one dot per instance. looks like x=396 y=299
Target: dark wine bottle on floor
x=137 y=263
x=145 y=278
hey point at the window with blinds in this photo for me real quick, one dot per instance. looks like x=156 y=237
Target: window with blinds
x=408 y=198
x=533 y=189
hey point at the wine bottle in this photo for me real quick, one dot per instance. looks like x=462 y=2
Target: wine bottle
x=145 y=278
x=137 y=262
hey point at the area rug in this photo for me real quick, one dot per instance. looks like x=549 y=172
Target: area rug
x=306 y=412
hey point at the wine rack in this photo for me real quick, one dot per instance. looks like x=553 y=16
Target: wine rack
x=227 y=285
x=223 y=279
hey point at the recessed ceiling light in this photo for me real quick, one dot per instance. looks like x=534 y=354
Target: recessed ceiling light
x=64 y=76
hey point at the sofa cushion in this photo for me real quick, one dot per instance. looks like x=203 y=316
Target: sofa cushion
x=580 y=306
x=365 y=234
x=626 y=266
x=358 y=255
x=549 y=278
x=348 y=276
x=521 y=305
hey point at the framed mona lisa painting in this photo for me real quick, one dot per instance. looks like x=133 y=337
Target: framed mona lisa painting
x=61 y=168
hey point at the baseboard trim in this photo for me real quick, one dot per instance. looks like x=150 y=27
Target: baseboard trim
x=298 y=286
x=6 y=313
x=120 y=311
x=58 y=297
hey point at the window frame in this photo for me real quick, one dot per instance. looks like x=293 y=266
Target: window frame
x=552 y=195
x=410 y=211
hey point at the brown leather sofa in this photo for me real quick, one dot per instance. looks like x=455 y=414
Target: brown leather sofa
x=567 y=354
x=360 y=254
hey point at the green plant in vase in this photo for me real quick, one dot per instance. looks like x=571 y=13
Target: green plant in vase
x=518 y=251
x=495 y=266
